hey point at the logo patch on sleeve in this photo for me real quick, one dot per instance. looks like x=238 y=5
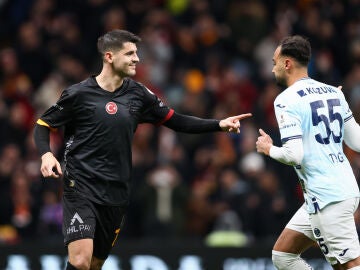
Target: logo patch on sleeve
x=283 y=119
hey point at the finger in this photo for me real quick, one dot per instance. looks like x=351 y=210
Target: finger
x=233 y=130
x=46 y=172
x=340 y=87
x=262 y=132
x=54 y=172
x=51 y=173
x=242 y=116
x=58 y=168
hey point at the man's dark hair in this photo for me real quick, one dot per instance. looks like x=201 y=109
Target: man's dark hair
x=297 y=47
x=114 y=40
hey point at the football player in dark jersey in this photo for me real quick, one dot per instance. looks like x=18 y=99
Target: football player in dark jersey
x=100 y=116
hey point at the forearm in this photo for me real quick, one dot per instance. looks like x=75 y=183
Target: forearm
x=191 y=124
x=42 y=139
x=291 y=153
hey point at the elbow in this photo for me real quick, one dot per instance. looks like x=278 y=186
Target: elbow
x=294 y=158
x=296 y=162
x=297 y=158
x=295 y=152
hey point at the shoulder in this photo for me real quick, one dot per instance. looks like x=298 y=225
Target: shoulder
x=288 y=100
x=287 y=95
x=138 y=85
x=140 y=89
x=80 y=87
x=331 y=89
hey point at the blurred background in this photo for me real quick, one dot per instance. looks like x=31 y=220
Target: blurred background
x=208 y=58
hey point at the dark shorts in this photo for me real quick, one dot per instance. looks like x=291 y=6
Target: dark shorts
x=86 y=219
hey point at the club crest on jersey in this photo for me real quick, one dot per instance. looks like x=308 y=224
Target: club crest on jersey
x=111 y=107
x=317 y=232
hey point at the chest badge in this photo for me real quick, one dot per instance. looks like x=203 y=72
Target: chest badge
x=111 y=107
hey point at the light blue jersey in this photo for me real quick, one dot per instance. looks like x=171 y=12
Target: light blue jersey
x=316 y=112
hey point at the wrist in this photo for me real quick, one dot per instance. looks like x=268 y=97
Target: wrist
x=47 y=154
x=271 y=147
x=268 y=149
x=219 y=125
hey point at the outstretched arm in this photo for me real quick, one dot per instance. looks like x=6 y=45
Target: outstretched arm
x=191 y=124
x=50 y=167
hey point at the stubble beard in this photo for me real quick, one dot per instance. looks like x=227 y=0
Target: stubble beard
x=281 y=81
x=127 y=73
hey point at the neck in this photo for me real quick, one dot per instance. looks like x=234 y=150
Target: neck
x=109 y=82
x=297 y=75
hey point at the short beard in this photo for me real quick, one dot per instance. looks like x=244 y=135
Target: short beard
x=281 y=82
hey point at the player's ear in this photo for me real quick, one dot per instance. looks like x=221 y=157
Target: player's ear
x=287 y=63
x=108 y=57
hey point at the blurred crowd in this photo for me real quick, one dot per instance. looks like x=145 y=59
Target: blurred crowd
x=208 y=58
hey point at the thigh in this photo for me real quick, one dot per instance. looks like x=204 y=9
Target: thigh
x=291 y=241
x=300 y=222
x=335 y=231
x=108 y=226
x=80 y=252
x=297 y=235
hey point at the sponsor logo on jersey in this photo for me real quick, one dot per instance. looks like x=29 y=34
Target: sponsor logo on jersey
x=111 y=107
x=77 y=225
x=343 y=252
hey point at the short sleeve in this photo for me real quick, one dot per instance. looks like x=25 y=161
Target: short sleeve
x=61 y=112
x=346 y=109
x=288 y=119
x=156 y=112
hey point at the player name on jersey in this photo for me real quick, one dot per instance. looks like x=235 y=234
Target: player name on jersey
x=316 y=90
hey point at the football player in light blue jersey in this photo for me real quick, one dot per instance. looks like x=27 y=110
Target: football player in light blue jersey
x=314 y=119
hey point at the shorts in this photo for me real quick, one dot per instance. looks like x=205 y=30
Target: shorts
x=333 y=228
x=86 y=219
